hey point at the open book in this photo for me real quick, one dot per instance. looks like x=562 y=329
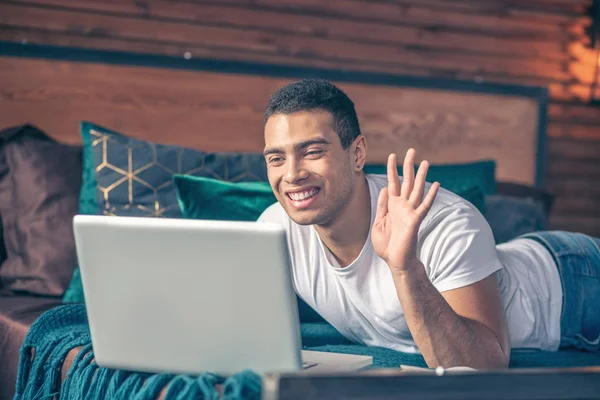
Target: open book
x=321 y=361
x=434 y=370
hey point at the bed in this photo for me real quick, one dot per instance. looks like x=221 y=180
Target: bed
x=75 y=128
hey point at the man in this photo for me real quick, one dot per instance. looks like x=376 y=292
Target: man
x=405 y=264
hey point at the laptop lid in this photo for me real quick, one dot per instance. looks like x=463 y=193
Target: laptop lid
x=188 y=296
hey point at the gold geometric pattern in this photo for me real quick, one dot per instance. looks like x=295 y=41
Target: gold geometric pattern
x=134 y=177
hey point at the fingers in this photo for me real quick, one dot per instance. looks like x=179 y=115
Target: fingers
x=408 y=175
x=423 y=209
x=393 y=179
x=419 y=187
x=382 y=204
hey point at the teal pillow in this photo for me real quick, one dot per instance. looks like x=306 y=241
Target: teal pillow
x=475 y=196
x=87 y=206
x=457 y=178
x=127 y=176
x=207 y=198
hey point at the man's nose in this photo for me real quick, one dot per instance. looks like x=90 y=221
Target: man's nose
x=295 y=172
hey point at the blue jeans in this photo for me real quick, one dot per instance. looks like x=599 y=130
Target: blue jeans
x=577 y=257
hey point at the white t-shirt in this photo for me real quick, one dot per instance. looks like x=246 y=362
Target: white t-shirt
x=456 y=246
x=532 y=294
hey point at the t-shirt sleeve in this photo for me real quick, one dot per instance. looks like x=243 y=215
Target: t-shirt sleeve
x=457 y=247
x=271 y=214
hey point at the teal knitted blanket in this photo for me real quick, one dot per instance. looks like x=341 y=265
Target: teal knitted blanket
x=61 y=329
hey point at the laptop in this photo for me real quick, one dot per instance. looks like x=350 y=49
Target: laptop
x=193 y=296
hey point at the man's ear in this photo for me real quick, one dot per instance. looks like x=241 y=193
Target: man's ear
x=359 y=152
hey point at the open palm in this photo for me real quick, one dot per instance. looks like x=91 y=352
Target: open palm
x=400 y=211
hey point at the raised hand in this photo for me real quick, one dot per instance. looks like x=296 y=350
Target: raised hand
x=400 y=211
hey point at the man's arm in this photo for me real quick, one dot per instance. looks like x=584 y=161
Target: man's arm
x=464 y=326
x=461 y=327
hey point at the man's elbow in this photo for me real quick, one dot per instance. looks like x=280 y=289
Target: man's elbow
x=481 y=359
x=489 y=356
x=487 y=362
x=502 y=361
x=498 y=359
x=505 y=350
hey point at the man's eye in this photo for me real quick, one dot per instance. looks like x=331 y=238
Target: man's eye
x=314 y=152
x=275 y=160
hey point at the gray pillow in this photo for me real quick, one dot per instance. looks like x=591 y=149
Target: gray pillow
x=511 y=216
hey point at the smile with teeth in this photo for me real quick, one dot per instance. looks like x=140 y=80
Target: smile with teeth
x=304 y=195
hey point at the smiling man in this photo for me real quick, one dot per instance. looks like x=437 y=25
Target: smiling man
x=405 y=264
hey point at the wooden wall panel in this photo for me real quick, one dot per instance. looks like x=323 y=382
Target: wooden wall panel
x=533 y=42
x=233 y=38
x=367 y=31
x=213 y=111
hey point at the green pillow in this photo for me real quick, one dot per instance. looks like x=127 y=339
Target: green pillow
x=128 y=176
x=457 y=178
x=209 y=198
x=87 y=206
x=475 y=196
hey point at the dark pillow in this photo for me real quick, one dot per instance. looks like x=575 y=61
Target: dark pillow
x=516 y=209
x=135 y=177
x=511 y=216
x=3 y=254
x=40 y=181
x=522 y=191
x=131 y=177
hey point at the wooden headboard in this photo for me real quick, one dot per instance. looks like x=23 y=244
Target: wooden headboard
x=204 y=107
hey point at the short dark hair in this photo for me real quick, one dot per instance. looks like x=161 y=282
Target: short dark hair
x=316 y=94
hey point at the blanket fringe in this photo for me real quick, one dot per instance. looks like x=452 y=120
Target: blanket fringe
x=64 y=328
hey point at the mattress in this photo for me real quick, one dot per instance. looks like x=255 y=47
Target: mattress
x=17 y=313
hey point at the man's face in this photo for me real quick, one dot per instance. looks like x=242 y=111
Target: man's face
x=309 y=171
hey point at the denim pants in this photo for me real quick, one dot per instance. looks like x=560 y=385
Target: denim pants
x=577 y=258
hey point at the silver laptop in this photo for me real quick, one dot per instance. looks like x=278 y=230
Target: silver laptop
x=191 y=296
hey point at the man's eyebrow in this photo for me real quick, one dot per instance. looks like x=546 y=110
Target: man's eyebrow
x=297 y=146
x=310 y=142
x=273 y=150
